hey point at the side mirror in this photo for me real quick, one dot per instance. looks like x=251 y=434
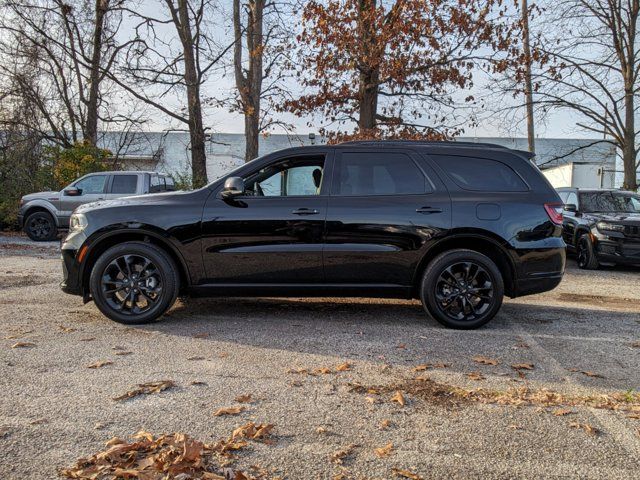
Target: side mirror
x=72 y=192
x=570 y=207
x=233 y=186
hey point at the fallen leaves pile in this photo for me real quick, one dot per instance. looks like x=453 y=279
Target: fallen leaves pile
x=150 y=458
x=175 y=455
x=147 y=388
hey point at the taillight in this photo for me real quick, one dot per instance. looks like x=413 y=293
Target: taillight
x=554 y=210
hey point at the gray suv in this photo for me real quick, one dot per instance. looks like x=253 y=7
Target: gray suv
x=43 y=214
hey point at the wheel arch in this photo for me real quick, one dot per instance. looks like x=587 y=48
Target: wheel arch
x=106 y=241
x=483 y=243
x=38 y=207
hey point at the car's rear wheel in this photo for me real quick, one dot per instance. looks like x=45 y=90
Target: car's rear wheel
x=462 y=289
x=585 y=253
x=134 y=282
x=40 y=227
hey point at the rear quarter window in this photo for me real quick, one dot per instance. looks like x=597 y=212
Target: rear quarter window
x=480 y=174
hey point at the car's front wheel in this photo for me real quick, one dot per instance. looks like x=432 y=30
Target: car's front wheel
x=40 y=227
x=134 y=282
x=586 y=253
x=462 y=289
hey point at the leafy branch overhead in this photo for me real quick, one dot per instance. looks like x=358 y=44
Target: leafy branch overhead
x=391 y=68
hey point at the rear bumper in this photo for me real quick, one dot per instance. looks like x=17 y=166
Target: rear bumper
x=540 y=270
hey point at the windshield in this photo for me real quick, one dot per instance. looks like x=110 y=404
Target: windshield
x=595 y=202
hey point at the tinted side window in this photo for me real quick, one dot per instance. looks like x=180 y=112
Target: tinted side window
x=124 y=184
x=92 y=185
x=480 y=174
x=378 y=173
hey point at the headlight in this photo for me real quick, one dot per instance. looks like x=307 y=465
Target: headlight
x=77 y=222
x=609 y=227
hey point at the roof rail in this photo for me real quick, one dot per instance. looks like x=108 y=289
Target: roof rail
x=435 y=143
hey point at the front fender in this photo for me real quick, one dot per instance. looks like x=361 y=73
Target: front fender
x=25 y=210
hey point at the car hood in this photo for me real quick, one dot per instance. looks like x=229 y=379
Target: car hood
x=624 y=218
x=152 y=198
x=42 y=196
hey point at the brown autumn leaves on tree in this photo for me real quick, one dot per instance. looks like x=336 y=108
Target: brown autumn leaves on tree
x=393 y=68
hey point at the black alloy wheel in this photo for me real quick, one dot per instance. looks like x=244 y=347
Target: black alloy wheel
x=40 y=227
x=134 y=282
x=462 y=289
x=585 y=253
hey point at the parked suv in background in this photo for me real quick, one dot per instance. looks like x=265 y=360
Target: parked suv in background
x=602 y=226
x=457 y=225
x=43 y=214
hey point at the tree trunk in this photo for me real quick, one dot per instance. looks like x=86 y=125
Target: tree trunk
x=249 y=84
x=630 y=181
x=192 y=81
x=528 y=86
x=91 y=127
x=369 y=74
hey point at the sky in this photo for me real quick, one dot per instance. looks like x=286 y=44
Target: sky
x=220 y=120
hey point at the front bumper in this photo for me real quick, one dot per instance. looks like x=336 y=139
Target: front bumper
x=71 y=267
x=20 y=221
x=618 y=250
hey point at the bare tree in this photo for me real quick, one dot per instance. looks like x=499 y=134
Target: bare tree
x=528 y=83
x=259 y=32
x=595 y=72
x=157 y=64
x=73 y=42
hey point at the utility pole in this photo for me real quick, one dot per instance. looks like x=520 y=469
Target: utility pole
x=528 y=84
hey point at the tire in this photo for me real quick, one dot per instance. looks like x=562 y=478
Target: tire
x=462 y=289
x=40 y=227
x=586 y=254
x=134 y=283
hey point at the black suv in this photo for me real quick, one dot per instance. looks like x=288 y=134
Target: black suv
x=457 y=225
x=602 y=226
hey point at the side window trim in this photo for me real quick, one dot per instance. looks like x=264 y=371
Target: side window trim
x=409 y=153
x=106 y=186
x=112 y=179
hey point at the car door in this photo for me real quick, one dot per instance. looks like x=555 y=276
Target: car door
x=124 y=184
x=92 y=188
x=273 y=233
x=384 y=209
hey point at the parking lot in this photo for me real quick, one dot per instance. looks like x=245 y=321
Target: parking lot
x=548 y=389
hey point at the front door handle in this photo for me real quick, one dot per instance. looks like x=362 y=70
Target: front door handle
x=305 y=211
x=427 y=210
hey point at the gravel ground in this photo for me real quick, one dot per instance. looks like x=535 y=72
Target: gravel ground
x=54 y=410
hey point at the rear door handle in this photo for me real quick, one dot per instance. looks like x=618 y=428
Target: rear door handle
x=427 y=210
x=305 y=211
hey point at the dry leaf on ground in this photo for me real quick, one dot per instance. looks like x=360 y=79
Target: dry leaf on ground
x=246 y=398
x=384 y=451
x=229 y=411
x=485 y=360
x=591 y=374
x=586 y=427
x=122 y=354
x=340 y=456
x=421 y=368
x=198 y=383
x=405 y=474
x=635 y=344
x=635 y=416
x=66 y=329
x=343 y=367
x=399 y=398
x=476 y=376
x=147 y=388
x=23 y=345
x=201 y=335
x=88 y=339
x=384 y=424
x=523 y=366
x=195 y=358
x=100 y=364
x=561 y=412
